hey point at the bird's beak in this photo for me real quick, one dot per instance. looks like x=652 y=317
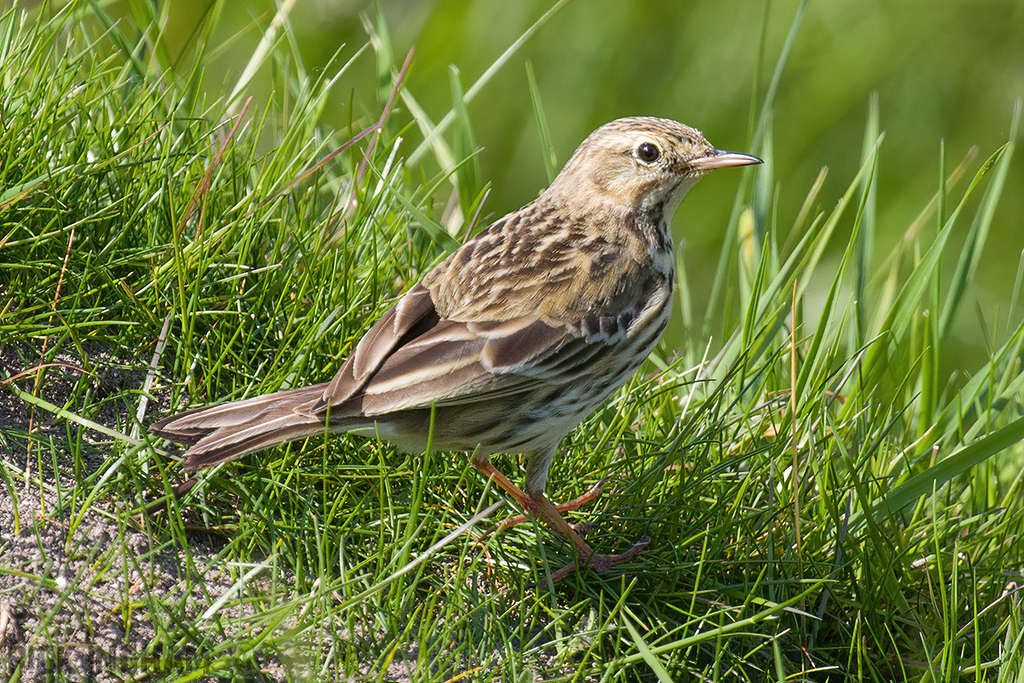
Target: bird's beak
x=723 y=159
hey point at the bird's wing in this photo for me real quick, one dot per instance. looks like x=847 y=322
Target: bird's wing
x=411 y=359
x=482 y=324
x=460 y=363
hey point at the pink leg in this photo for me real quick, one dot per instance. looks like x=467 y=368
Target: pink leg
x=538 y=505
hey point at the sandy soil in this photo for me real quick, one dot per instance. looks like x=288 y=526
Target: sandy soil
x=76 y=585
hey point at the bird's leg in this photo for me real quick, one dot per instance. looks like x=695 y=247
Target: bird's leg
x=570 y=506
x=587 y=557
x=535 y=502
x=537 y=466
x=537 y=505
x=554 y=519
x=535 y=463
x=484 y=467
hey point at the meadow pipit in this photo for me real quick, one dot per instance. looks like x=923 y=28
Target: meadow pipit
x=514 y=338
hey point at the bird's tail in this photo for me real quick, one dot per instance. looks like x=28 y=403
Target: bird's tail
x=220 y=433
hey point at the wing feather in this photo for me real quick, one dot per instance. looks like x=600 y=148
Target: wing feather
x=458 y=363
x=407 y=319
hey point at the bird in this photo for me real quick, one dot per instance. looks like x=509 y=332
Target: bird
x=514 y=338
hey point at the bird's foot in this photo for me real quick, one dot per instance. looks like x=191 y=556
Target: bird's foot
x=602 y=563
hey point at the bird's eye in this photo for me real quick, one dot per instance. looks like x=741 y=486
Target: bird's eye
x=648 y=152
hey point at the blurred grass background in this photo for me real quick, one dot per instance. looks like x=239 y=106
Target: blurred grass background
x=948 y=71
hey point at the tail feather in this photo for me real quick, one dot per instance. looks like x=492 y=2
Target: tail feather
x=220 y=433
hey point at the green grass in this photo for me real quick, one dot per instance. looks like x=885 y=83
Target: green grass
x=822 y=504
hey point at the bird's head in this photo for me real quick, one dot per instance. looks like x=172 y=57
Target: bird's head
x=640 y=163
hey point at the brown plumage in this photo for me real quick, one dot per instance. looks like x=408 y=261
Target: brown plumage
x=516 y=337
